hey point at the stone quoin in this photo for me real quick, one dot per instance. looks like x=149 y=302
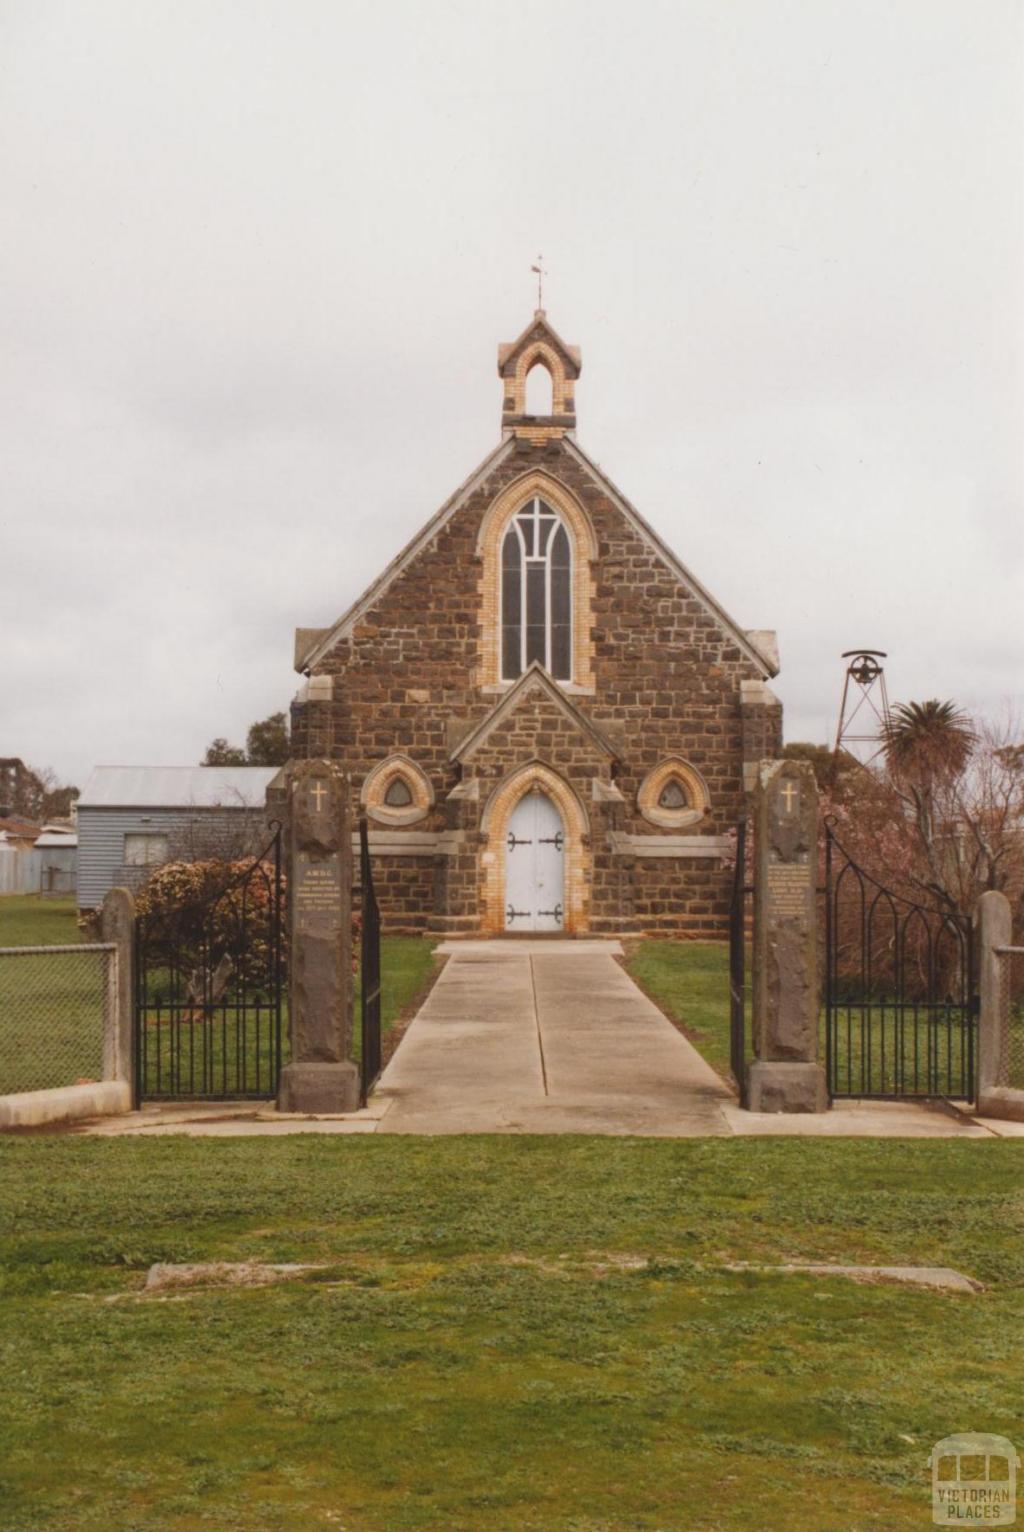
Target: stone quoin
x=537 y=636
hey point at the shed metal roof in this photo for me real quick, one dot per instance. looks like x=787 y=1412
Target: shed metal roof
x=49 y=841
x=176 y=787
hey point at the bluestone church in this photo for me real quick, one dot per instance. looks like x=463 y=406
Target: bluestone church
x=549 y=723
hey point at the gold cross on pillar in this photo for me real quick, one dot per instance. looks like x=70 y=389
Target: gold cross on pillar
x=788 y=794
x=318 y=793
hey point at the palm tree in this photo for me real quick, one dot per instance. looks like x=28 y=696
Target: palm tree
x=927 y=745
x=926 y=739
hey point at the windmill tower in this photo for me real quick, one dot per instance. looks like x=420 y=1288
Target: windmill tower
x=864 y=710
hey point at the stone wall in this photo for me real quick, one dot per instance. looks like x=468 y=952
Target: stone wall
x=680 y=896
x=668 y=680
x=406 y=889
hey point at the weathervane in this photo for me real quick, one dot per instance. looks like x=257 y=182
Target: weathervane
x=540 y=274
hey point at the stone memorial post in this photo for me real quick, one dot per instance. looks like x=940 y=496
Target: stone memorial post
x=999 y=1093
x=786 y=1076
x=322 y=1076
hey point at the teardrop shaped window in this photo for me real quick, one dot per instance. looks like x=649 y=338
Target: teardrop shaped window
x=398 y=794
x=673 y=795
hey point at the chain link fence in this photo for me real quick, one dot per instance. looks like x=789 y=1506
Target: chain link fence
x=56 y=1004
x=1011 y=1017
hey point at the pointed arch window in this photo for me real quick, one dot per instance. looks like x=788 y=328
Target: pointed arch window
x=536 y=593
x=673 y=795
x=398 y=794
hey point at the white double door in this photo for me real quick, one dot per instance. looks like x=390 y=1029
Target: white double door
x=535 y=866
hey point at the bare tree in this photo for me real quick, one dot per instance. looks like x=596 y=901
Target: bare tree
x=943 y=820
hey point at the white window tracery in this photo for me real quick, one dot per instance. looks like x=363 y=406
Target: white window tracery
x=536 y=593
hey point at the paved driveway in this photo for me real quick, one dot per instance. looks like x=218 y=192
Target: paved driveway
x=546 y=1037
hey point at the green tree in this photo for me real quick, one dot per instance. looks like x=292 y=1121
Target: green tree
x=220 y=753
x=267 y=743
x=925 y=739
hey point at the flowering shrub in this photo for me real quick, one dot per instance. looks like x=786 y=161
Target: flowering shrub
x=213 y=918
x=210 y=917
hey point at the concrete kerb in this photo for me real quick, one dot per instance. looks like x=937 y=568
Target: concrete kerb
x=68 y=1103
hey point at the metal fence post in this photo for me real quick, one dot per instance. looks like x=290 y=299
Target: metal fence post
x=117 y=923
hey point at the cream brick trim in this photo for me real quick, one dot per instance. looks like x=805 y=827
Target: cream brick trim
x=561 y=389
x=535 y=776
x=651 y=789
x=536 y=432
x=508 y=349
x=377 y=782
x=584 y=551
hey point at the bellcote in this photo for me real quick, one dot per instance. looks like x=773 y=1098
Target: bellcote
x=538 y=346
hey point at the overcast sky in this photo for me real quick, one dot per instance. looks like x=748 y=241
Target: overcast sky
x=257 y=259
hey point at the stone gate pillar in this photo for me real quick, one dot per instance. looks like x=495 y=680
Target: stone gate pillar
x=786 y=1076
x=1000 y=1088
x=322 y=1076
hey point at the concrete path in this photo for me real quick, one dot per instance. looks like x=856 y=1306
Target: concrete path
x=549 y=1037
x=546 y=1037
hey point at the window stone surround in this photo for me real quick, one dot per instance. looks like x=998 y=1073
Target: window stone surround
x=375 y=786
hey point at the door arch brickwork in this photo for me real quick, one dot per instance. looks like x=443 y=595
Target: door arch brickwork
x=534 y=777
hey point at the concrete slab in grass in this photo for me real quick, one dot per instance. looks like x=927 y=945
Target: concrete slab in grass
x=858 y=1119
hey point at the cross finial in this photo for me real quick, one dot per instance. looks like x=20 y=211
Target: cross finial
x=540 y=274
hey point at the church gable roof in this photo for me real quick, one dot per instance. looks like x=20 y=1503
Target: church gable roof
x=322 y=640
x=758 y=646
x=533 y=681
x=540 y=329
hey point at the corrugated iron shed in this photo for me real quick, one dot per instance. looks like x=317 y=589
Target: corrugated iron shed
x=157 y=787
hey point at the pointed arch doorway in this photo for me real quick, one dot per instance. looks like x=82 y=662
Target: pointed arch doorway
x=535 y=865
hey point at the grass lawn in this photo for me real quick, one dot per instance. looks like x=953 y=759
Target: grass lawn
x=28 y=920
x=50 y=1008
x=690 y=981
x=64 y=995
x=874 y=1050
x=474 y=1356
x=406 y=964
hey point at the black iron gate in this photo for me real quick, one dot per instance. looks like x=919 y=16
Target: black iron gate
x=900 y=1012
x=738 y=933
x=209 y=977
x=370 y=1055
